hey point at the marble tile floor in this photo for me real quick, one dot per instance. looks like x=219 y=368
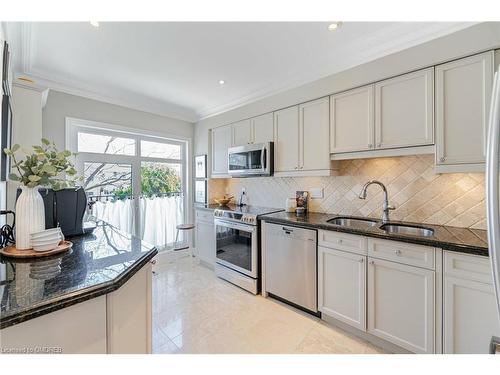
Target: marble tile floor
x=194 y=312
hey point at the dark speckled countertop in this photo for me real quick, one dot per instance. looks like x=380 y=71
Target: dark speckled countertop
x=98 y=263
x=463 y=240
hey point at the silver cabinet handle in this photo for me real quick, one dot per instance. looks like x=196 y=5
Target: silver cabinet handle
x=361 y=260
x=153 y=261
x=397 y=252
x=379 y=145
x=339 y=241
x=442 y=159
x=372 y=262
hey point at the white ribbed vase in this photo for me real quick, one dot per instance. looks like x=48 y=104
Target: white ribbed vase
x=30 y=216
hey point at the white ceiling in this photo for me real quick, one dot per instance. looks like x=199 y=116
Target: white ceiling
x=174 y=68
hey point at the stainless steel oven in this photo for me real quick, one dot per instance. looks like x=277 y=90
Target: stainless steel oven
x=251 y=160
x=237 y=247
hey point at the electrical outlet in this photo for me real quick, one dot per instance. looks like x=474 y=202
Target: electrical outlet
x=316 y=193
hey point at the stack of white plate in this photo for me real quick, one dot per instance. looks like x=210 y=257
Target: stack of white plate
x=47 y=239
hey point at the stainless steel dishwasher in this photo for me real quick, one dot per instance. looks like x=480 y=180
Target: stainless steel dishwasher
x=290 y=263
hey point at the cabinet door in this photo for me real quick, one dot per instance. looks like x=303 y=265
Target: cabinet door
x=242 y=133
x=404 y=113
x=463 y=90
x=221 y=141
x=129 y=315
x=342 y=286
x=401 y=304
x=286 y=147
x=351 y=120
x=315 y=135
x=263 y=128
x=205 y=242
x=470 y=317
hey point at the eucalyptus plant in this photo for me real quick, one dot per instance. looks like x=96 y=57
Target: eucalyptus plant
x=44 y=167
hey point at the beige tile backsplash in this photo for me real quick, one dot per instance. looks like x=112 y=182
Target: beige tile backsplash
x=419 y=194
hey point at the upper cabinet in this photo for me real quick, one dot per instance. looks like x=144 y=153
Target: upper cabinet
x=221 y=141
x=351 y=120
x=263 y=129
x=314 y=134
x=404 y=110
x=286 y=142
x=393 y=114
x=302 y=139
x=242 y=133
x=258 y=129
x=463 y=92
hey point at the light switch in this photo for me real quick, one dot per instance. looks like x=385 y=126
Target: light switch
x=316 y=193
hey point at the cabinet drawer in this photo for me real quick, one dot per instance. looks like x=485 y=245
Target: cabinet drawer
x=470 y=267
x=204 y=215
x=343 y=241
x=414 y=255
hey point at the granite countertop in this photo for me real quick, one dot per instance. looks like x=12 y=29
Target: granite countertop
x=463 y=240
x=98 y=263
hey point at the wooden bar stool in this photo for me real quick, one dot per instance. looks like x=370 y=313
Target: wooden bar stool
x=183 y=227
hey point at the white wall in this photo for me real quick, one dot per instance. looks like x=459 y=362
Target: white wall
x=26 y=127
x=477 y=38
x=60 y=105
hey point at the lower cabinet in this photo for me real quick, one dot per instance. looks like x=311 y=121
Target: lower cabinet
x=470 y=317
x=342 y=286
x=205 y=237
x=401 y=306
x=116 y=323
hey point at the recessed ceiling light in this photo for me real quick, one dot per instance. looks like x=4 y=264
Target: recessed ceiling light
x=334 y=26
x=221 y=82
x=94 y=23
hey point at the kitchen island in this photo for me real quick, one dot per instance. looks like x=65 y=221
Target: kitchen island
x=95 y=298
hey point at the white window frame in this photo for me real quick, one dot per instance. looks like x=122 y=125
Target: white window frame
x=75 y=125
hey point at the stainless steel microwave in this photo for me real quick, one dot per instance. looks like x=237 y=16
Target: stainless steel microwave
x=251 y=160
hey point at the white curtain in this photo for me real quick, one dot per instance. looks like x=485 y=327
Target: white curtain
x=159 y=217
x=119 y=213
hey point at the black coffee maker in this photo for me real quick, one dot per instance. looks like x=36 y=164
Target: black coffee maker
x=64 y=208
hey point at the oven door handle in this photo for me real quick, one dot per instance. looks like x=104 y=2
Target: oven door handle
x=232 y=225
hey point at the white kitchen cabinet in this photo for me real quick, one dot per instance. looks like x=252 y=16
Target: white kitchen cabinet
x=401 y=304
x=242 y=133
x=301 y=141
x=221 y=141
x=469 y=304
x=263 y=128
x=286 y=143
x=463 y=91
x=404 y=115
x=258 y=129
x=129 y=315
x=342 y=286
x=116 y=323
x=205 y=237
x=314 y=135
x=77 y=329
x=351 y=120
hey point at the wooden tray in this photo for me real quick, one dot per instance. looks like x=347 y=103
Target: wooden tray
x=12 y=252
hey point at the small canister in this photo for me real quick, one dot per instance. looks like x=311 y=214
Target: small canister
x=290 y=205
x=300 y=211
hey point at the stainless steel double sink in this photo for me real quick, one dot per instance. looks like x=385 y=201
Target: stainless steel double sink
x=361 y=223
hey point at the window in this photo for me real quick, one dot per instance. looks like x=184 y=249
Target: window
x=136 y=182
x=105 y=144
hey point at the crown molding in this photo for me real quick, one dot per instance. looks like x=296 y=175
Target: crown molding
x=402 y=40
x=378 y=50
